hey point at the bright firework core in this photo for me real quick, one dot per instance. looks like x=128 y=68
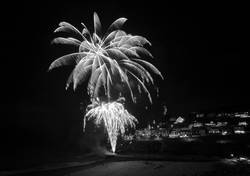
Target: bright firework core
x=114 y=117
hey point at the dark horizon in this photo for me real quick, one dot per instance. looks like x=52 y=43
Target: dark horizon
x=198 y=47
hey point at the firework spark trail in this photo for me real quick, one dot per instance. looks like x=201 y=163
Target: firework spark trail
x=99 y=59
x=115 y=118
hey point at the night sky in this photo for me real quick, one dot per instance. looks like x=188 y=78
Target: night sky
x=198 y=47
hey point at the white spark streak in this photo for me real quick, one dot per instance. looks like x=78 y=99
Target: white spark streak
x=115 y=118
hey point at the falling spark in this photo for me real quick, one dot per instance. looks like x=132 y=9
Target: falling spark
x=114 y=117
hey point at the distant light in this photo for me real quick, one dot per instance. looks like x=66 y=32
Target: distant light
x=239 y=132
x=179 y=120
x=219 y=124
x=211 y=123
x=224 y=133
x=197 y=124
x=199 y=115
x=242 y=123
x=242 y=115
x=183 y=136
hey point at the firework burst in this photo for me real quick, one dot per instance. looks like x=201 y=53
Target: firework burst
x=105 y=60
x=102 y=58
x=114 y=116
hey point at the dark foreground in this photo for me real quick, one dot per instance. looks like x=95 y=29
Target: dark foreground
x=202 y=156
x=161 y=168
x=142 y=165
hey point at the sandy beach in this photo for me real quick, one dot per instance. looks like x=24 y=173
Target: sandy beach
x=146 y=168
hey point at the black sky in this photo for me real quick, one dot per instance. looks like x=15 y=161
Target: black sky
x=197 y=46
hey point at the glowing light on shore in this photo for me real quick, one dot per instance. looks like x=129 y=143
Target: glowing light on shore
x=114 y=117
